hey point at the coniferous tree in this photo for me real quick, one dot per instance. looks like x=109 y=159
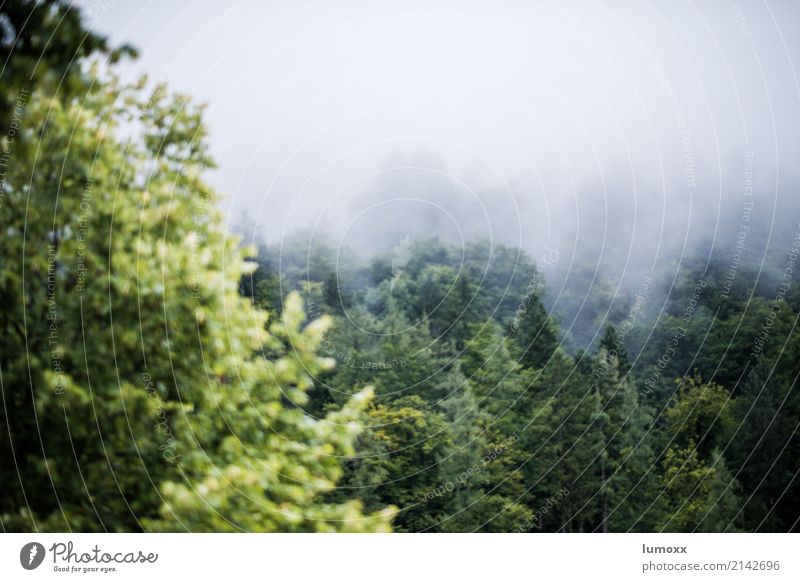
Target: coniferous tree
x=567 y=453
x=614 y=347
x=626 y=458
x=400 y=458
x=761 y=451
x=533 y=334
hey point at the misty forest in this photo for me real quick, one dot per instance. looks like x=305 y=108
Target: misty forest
x=166 y=367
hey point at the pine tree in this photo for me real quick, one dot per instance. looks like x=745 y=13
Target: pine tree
x=483 y=466
x=565 y=456
x=626 y=459
x=762 y=450
x=398 y=458
x=614 y=347
x=533 y=334
x=389 y=352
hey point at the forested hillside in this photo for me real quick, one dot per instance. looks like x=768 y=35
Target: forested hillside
x=680 y=416
x=158 y=374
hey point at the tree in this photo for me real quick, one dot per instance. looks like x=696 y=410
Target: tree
x=398 y=458
x=390 y=353
x=762 y=450
x=699 y=496
x=533 y=334
x=615 y=347
x=487 y=454
x=43 y=45
x=462 y=465
x=566 y=449
x=626 y=458
x=702 y=414
x=125 y=336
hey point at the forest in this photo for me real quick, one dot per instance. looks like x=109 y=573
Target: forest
x=159 y=374
x=488 y=417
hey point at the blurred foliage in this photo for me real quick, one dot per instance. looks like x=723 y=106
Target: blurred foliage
x=136 y=390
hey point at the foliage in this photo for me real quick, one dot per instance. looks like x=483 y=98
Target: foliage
x=125 y=335
x=158 y=376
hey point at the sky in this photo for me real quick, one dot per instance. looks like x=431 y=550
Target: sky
x=537 y=124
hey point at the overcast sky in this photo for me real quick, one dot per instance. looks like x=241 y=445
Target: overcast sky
x=526 y=122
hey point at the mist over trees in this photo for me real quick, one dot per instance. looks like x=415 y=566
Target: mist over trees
x=404 y=372
x=652 y=426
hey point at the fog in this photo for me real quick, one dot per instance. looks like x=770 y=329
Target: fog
x=627 y=131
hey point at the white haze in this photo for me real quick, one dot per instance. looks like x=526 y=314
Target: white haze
x=628 y=126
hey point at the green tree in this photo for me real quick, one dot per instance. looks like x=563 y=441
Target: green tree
x=567 y=448
x=533 y=334
x=762 y=448
x=125 y=336
x=698 y=496
x=43 y=45
x=395 y=356
x=487 y=456
x=623 y=424
x=702 y=413
x=615 y=347
x=398 y=457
